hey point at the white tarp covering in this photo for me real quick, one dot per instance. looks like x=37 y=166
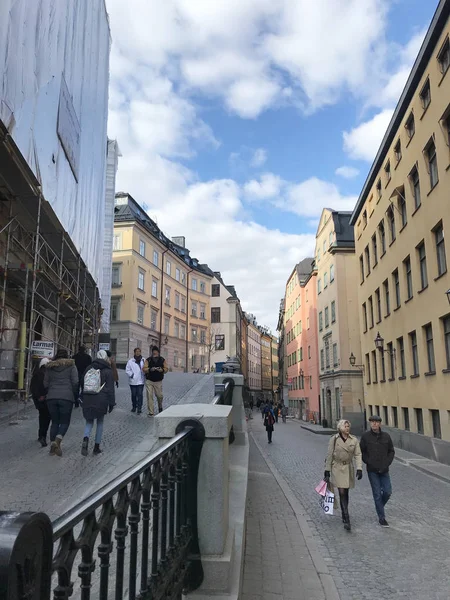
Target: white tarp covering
x=54 y=75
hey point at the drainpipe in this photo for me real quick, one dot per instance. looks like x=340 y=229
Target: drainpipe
x=162 y=295
x=187 y=320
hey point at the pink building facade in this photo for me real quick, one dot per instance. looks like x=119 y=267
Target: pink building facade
x=302 y=356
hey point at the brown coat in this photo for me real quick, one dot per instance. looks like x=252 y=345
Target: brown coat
x=339 y=460
x=115 y=372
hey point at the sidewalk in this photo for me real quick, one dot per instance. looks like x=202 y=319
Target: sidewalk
x=282 y=561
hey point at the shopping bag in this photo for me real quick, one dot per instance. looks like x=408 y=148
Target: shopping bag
x=321 y=488
x=327 y=503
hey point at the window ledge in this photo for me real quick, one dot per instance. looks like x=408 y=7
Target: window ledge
x=412 y=214
x=374 y=266
x=397 y=308
x=378 y=322
x=447 y=167
x=443 y=76
x=409 y=300
x=391 y=379
x=414 y=376
x=368 y=382
x=382 y=380
x=387 y=315
x=441 y=275
x=430 y=373
x=423 y=289
x=402 y=378
x=381 y=255
x=388 y=182
x=403 y=227
x=409 y=138
x=425 y=110
x=446 y=370
x=398 y=162
x=390 y=243
x=428 y=193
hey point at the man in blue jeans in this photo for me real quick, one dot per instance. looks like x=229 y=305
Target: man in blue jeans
x=378 y=453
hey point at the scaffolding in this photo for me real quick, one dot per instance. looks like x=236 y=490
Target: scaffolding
x=46 y=291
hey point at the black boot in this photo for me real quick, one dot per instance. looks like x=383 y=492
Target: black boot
x=42 y=441
x=97 y=449
x=84 y=446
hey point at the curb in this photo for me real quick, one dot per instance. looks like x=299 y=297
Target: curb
x=424 y=470
x=328 y=584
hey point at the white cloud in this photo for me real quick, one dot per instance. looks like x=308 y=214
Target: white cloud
x=362 y=142
x=269 y=186
x=347 y=172
x=259 y=158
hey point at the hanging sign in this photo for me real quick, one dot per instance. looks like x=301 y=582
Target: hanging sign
x=41 y=349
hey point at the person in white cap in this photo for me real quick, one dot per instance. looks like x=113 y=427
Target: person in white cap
x=38 y=393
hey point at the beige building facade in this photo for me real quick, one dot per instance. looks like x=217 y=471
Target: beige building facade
x=266 y=365
x=160 y=295
x=401 y=221
x=275 y=368
x=341 y=384
x=254 y=356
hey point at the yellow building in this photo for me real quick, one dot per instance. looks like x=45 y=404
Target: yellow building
x=160 y=295
x=400 y=221
x=275 y=368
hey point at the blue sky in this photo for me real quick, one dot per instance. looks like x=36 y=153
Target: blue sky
x=239 y=120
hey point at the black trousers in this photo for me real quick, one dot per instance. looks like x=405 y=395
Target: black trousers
x=44 y=418
x=344 y=498
x=269 y=433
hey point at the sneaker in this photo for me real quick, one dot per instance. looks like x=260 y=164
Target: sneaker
x=52 y=449
x=58 y=442
x=150 y=414
x=139 y=412
x=384 y=523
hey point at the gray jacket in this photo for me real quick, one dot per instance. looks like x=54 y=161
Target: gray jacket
x=61 y=380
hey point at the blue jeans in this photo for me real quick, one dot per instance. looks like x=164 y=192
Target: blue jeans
x=137 y=396
x=60 y=413
x=381 y=490
x=98 y=431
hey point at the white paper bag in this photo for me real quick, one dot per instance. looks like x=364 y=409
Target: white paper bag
x=327 y=503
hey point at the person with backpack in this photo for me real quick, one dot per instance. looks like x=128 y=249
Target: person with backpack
x=82 y=362
x=98 y=399
x=38 y=393
x=269 y=421
x=61 y=382
x=155 y=367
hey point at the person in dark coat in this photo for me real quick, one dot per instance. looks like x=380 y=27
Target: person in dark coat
x=96 y=406
x=82 y=362
x=38 y=393
x=61 y=381
x=269 y=420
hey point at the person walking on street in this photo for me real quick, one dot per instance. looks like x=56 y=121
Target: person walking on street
x=262 y=408
x=343 y=449
x=251 y=404
x=269 y=421
x=136 y=379
x=97 y=405
x=62 y=384
x=82 y=362
x=276 y=411
x=155 y=367
x=284 y=412
x=115 y=372
x=38 y=393
x=378 y=453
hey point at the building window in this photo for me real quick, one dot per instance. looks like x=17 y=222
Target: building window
x=446 y=327
x=155 y=258
x=327 y=353
x=428 y=330
x=219 y=342
x=419 y=420
x=177 y=301
x=202 y=336
x=330 y=238
x=405 y=411
x=374 y=250
x=431 y=158
x=167 y=325
x=202 y=311
x=422 y=265
x=322 y=360
x=378 y=304
x=415 y=183
x=414 y=352
x=379 y=189
x=382 y=234
x=140 y=314
x=183 y=277
x=401 y=353
x=168 y=268
x=319 y=286
x=177 y=329
x=425 y=95
x=215 y=290
x=194 y=334
x=410 y=126
x=364 y=309
x=325 y=280
x=194 y=285
x=361 y=268
x=440 y=249
x=333 y=311
x=364 y=218
x=390 y=350
x=324 y=247
x=367 y=259
x=436 y=422
x=402 y=209
x=398 y=151
x=387 y=297
x=183 y=304
x=215 y=315
x=335 y=355
x=115 y=316
x=194 y=361
x=167 y=296
x=371 y=312
x=327 y=317
x=141 y=280
x=391 y=222
x=395 y=416
x=177 y=274
x=386 y=415
x=320 y=321
x=331 y=273
x=396 y=282
x=175 y=358
x=374 y=366
x=183 y=332
x=444 y=57
x=368 y=369
x=202 y=287
x=387 y=170
x=117 y=241
x=142 y=248
x=115 y=276
x=408 y=275
x=383 y=368
x=194 y=309
x=309 y=351
x=153 y=317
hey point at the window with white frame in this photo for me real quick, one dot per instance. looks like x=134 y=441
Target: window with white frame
x=194 y=284
x=117 y=241
x=177 y=274
x=142 y=248
x=168 y=267
x=154 y=288
x=140 y=314
x=153 y=317
x=141 y=280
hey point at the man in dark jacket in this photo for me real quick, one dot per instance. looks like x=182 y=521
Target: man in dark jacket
x=61 y=382
x=155 y=367
x=378 y=453
x=82 y=362
x=38 y=393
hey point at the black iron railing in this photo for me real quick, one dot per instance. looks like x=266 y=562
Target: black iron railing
x=224 y=395
x=150 y=511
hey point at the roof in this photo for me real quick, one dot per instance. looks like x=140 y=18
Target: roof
x=132 y=211
x=230 y=288
x=432 y=37
x=304 y=269
x=345 y=233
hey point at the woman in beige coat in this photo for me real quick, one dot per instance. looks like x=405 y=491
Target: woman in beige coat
x=343 y=448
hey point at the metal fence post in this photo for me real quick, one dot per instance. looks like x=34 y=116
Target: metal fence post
x=26 y=552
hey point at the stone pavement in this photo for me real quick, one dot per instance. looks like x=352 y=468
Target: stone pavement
x=409 y=561
x=33 y=480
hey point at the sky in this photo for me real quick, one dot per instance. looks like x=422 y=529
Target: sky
x=238 y=121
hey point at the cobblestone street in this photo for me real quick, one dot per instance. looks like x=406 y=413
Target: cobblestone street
x=409 y=561
x=33 y=480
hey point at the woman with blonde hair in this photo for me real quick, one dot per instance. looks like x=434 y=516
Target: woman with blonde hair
x=343 y=449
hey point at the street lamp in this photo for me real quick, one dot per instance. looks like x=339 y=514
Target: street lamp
x=448 y=295
x=379 y=342
x=352 y=359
